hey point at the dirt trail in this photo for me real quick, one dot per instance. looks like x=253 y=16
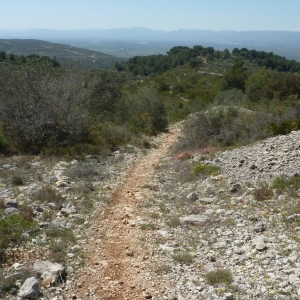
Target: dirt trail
x=117 y=261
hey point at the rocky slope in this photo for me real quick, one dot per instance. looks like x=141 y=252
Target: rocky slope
x=49 y=204
x=223 y=226
x=214 y=229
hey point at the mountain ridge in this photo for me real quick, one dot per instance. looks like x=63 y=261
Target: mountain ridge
x=62 y=52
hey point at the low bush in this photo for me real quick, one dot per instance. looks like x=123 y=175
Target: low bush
x=283 y=183
x=27 y=213
x=60 y=240
x=183 y=257
x=206 y=170
x=47 y=194
x=148 y=226
x=280 y=183
x=163 y=269
x=8 y=282
x=3 y=144
x=219 y=276
x=224 y=126
x=263 y=193
x=64 y=234
x=2 y=204
x=13 y=229
x=17 y=180
x=174 y=222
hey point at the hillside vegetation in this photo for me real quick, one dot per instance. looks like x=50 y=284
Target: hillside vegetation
x=64 y=53
x=47 y=106
x=239 y=97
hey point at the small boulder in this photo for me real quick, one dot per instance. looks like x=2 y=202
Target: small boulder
x=192 y=196
x=11 y=203
x=259 y=243
x=10 y=211
x=48 y=269
x=259 y=227
x=66 y=211
x=195 y=220
x=29 y=289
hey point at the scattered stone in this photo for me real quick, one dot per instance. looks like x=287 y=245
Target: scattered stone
x=129 y=253
x=229 y=296
x=259 y=227
x=147 y=296
x=29 y=289
x=11 y=211
x=195 y=220
x=49 y=270
x=47 y=282
x=234 y=188
x=17 y=267
x=66 y=211
x=192 y=196
x=208 y=200
x=259 y=243
x=12 y=203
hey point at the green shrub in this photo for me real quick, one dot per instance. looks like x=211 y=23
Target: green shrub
x=58 y=251
x=183 y=257
x=219 y=276
x=7 y=283
x=224 y=126
x=206 y=170
x=148 y=226
x=2 y=204
x=174 y=222
x=64 y=234
x=163 y=269
x=283 y=183
x=13 y=227
x=144 y=112
x=280 y=183
x=285 y=127
x=59 y=242
x=109 y=135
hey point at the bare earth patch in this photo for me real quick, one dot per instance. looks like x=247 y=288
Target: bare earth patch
x=117 y=263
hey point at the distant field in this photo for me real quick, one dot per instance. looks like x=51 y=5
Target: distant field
x=64 y=53
x=127 y=49
x=124 y=49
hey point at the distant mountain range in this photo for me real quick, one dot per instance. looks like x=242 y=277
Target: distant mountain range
x=145 y=34
x=285 y=43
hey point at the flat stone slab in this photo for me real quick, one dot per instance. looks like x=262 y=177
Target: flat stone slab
x=193 y=219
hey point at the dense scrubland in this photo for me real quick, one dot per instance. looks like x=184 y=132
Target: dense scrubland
x=48 y=107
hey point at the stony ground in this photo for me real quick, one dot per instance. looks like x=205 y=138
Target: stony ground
x=214 y=226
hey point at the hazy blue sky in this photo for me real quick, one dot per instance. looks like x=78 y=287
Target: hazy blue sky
x=154 y=14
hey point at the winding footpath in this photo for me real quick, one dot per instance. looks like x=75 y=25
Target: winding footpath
x=118 y=259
